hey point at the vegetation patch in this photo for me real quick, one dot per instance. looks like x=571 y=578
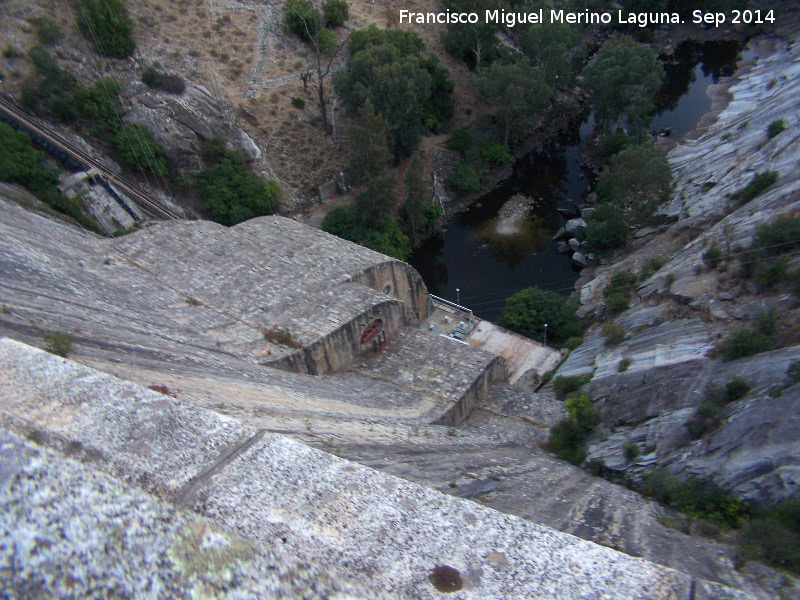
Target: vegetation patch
x=759 y=183
x=153 y=77
x=528 y=310
x=58 y=343
x=282 y=337
x=776 y=128
x=707 y=417
x=232 y=193
x=614 y=333
x=564 y=386
x=105 y=24
x=568 y=436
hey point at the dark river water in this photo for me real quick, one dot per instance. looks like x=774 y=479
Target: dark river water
x=471 y=265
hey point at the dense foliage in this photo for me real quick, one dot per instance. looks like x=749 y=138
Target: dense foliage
x=418 y=213
x=369 y=222
x=410 y=91
x=622 y=80
x=232 y=193
x=51 y=91
x=139 y=150
x=336 y=12
x=636 y=182
x=527 y=311
x=105 y=24
x=568 y=436
x=369 y=141
x=153 y=77
x=20 y=163
x=515 y=93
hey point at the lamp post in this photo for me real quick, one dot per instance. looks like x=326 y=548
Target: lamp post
x=545 y=334
x=458 y=296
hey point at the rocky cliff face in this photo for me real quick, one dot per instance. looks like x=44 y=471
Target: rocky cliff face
x=680 y=314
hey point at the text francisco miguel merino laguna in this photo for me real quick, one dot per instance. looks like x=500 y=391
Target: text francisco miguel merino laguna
x=537 y=17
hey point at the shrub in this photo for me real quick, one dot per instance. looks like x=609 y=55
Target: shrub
x=612 y=143
x=12 y=52
x=49 y=89
x=775 y=128
x=168 y=82
x=464 y=180
x=58 y=342
x=460 y=140
x=779 y=236
x=231 y=192
x=47 y=31
x=624 y=364
x=745 y=342
x=631 y=450
x=769 y=274
x=794 y=371
x=281 y=336
x=495 y=153
x=606 y=229
x=759 y=183
x=713 y=255
x=105 y=23
x=336 y=12
x=572 y=343
x=139 y=150
x=735 y=389
x=773 y=536
x=564 y=386
x=696 y=498
x=298 y=103
x=616 y=303
x=302 y=18
x=567 y=437
x=614 y=333
x=651 y=266
x=527 y=311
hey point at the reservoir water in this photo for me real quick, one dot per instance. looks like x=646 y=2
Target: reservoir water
x=471 y=265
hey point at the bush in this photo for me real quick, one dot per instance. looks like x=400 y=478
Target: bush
x=696 y=498
x=49 y=90
x=58 y=343
x=168 y=82
x=573 y=342
x=612 y=143
x=631 y=450
x=567 y=437
x=614 y=333
x=47 y=31
x=336 y=12
x=759 y=183
x=621 y=282
x=464 y=180
x=105 y=24
x=780 y=236
x=12 y=52
x=773 y=536
x=651 y=266
x=298 y=103
x=616 y=303
x=527 y=311
x=775 y=128
x=302 y=18
x=745 y=342
x=231 y=192
x=624 y=364
x=460 y=140
x=139 y=150
x=606 y=229
x=564 y=386
x=495 y=153
x=735 y=389
x=713 y=255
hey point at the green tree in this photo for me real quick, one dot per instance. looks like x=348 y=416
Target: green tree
x=336 y=12
x=606 y=229
x=527 y=311
x=139 y=150
x=555 y=49
x=622 y=80
x=232 y=193
x=411 y=92
x=516 y=93
x=369 y=138
x=472 y=42
x=636 y=182
x=105 y=24
x=418 y=213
